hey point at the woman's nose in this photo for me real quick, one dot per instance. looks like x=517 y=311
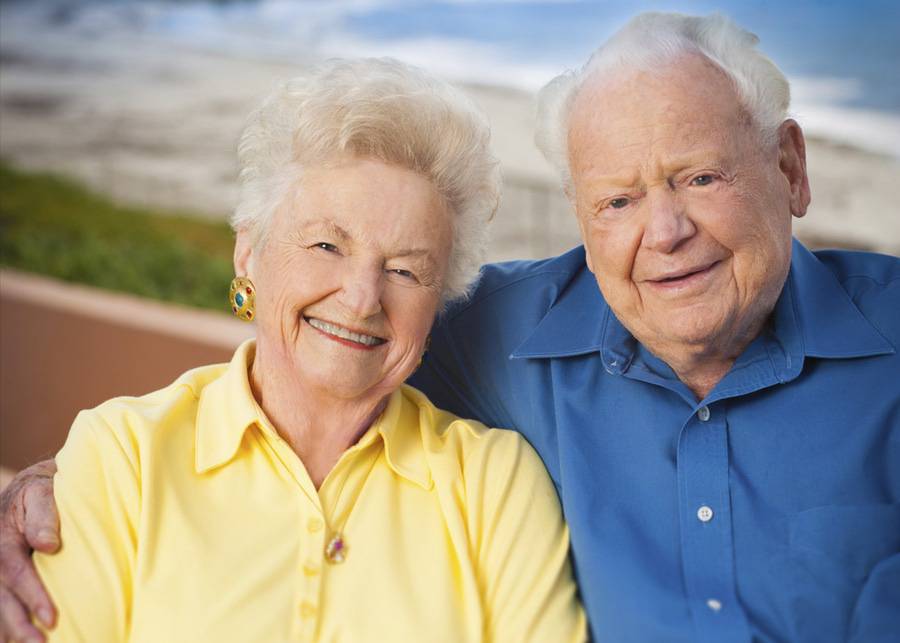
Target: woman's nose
x=361 y=291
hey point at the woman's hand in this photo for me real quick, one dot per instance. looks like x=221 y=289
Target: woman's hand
x=28 y=520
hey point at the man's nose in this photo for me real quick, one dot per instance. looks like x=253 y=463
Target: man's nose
x=361 y=290
x=668 y=223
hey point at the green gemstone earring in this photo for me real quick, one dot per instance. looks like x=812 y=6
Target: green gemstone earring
x=242 y=296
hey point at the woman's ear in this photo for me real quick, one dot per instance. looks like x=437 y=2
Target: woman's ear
x=243 y=254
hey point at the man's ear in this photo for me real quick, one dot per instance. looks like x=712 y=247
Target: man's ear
x=587 y=248
x=243 y=254
x=587 y=258
x=792 y=163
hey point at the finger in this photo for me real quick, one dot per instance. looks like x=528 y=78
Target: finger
x=19 y=579
x=46 y=468
x=12 y=510
x=41 y=518
x=14 y=623
x=22 y=591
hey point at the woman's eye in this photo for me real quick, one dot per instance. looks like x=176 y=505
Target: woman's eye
x=324 y=245
x=703 y=179
x=619 y=202
x=403 y=274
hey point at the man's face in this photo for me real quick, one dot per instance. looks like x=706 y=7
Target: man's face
x=686 y=217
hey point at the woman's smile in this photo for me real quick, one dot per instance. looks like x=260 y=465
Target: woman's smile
x=355 y=236
x=345 y=336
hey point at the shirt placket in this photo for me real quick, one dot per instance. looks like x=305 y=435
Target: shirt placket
x=706 y=526
x=309 y=573
x=327 y=517
x=313 y=532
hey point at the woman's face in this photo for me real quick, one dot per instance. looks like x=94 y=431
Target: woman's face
x=349 y=279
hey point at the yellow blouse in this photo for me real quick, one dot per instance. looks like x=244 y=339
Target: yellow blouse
x=185 y=517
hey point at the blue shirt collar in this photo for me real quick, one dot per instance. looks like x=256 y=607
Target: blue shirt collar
x=813 y=317
x=831 y=324
x=575 y=323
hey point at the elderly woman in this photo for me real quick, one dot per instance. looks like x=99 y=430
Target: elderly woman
x=303 y=492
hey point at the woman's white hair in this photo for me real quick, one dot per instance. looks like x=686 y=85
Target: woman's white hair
x=651 y=41
x=381 y=109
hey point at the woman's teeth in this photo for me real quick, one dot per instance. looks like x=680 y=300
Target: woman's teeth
x=343 y=333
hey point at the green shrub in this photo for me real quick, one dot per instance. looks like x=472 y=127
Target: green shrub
x=55 y=227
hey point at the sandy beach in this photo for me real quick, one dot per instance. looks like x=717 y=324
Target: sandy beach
x=159 y=127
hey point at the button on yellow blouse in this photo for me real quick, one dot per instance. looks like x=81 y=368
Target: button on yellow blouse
x=185 y=518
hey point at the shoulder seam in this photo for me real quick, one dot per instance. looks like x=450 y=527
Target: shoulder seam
x=503 y=286
x=871 y=278
x=190 y=388
x=141 y=400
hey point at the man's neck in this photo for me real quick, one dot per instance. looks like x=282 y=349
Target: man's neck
x=702 y=377
x=702 y=366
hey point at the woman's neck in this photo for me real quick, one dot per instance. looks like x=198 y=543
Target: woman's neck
x=317 y=426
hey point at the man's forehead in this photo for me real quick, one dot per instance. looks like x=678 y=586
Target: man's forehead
x=690 y=68
x=690 y=76
x=621 y=110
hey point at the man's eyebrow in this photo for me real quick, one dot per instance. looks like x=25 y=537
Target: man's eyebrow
x=712 y=156
x=624 y=179
x=629 y=179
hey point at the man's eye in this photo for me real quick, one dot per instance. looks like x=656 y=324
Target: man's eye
x=619 y=202
x=703 y=179
x=324 y=245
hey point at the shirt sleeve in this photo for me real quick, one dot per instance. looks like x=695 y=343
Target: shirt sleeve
x=97 y=494
x=443 y=377
x=521 y=545
x=468 y=378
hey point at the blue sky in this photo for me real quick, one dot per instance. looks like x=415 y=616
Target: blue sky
x=858 y=40
x=841 y=57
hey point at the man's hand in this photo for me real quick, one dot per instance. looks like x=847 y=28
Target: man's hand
x=28 y=520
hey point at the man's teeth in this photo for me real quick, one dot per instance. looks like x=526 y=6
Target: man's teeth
x=343 y=333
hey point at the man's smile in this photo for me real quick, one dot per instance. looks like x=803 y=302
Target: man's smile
x=683 y=279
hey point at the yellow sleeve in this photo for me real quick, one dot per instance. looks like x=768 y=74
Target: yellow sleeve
x=522 y=545
x=97 y=494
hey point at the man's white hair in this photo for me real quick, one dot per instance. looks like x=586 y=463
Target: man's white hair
x=380 y=109
x=650 y=42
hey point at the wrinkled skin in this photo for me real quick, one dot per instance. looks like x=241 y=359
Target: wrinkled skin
x=381 y=275
x=685 y=212
x=647 y=212
x=28 y=520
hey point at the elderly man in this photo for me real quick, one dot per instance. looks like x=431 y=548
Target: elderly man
x=722 y=417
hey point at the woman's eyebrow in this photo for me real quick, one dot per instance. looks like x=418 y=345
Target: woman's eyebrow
x=416 y=254
x=412 y=252
x=326 y=225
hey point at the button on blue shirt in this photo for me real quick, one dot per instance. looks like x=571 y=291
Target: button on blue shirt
x=768 y=511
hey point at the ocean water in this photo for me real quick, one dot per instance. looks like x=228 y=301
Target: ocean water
x=843 y=58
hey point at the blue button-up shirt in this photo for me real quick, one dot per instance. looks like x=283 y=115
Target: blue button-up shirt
x=768 y=511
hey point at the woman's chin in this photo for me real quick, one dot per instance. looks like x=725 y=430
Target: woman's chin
x=345 y=382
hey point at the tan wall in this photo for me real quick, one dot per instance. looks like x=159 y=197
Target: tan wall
x=65 y=347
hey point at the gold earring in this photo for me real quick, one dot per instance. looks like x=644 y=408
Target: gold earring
x=242 y=296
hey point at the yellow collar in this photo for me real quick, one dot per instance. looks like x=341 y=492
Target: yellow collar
x=227 y=409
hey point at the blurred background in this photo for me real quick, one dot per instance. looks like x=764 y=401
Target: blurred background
x=118 y=123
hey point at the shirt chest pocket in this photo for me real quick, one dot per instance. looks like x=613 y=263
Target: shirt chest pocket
x=853 y=538
x=833 y=551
